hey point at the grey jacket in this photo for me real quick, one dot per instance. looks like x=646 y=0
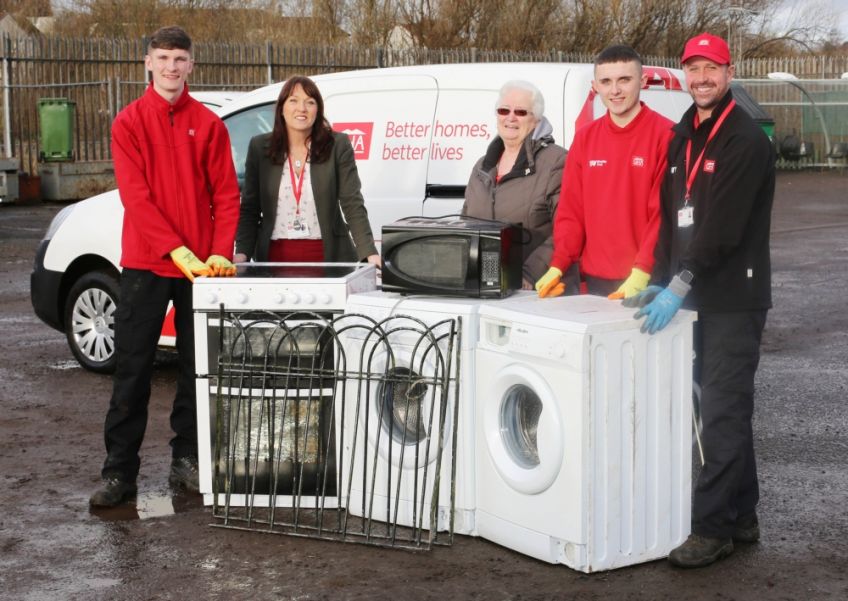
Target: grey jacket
x=527 y=195
x=336 y=189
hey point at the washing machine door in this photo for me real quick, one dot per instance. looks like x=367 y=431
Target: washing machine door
x=404 y=412
x=523 y=428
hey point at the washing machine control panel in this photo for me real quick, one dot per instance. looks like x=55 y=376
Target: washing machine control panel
x=531 y=341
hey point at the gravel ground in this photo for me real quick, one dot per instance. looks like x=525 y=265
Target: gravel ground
x=51 y=416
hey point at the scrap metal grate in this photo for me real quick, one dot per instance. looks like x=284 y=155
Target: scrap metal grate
x=336 y=427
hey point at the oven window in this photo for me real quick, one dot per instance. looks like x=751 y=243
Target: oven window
x=442 y=261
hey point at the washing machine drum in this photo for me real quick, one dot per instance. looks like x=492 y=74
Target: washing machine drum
x=402 y=397
x=520 y=411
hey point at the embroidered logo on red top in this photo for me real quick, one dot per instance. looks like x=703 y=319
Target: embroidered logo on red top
x=709 y=166
x=359 y=135
x=638 y=162
x=597 y=162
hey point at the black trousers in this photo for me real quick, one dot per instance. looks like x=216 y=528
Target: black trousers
x=601 y=286
x=138 y=324
x=727 y=352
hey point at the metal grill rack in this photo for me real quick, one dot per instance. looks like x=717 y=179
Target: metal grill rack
x=335 y=427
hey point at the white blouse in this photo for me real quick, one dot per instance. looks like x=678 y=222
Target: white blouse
x=296 y=221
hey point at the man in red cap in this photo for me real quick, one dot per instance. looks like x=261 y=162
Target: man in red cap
x=712 y=255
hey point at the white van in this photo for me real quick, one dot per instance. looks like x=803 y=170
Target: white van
x=416 y=132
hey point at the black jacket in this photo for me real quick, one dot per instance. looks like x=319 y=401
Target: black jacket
x=727 y=247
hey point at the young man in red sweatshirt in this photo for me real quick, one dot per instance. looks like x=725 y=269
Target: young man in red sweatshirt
x=608 y=213
x=181 y=204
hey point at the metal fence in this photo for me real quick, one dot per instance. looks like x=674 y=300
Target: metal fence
x=808 y=112
x=102 y=75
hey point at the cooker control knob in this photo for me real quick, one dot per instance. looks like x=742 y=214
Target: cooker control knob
x=241 y=298
x=324 y=298
x=278 y=298
x=309 y=298
x=211 y=298
x=293 y=298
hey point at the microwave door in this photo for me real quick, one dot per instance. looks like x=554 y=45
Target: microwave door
x=437 y=263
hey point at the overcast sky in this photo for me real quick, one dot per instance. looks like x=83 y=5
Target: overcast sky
x=794 y=9
x=841 y=7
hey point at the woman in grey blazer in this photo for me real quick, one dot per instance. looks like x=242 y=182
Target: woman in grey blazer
x=301 y=200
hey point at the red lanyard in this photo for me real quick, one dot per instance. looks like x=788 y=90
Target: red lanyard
x=297 y=184
x=691 y=173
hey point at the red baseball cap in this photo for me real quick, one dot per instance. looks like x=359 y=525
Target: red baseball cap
x=709 y=46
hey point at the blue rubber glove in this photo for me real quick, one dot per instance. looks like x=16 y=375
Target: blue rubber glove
x=660 y=311
x=643 y=297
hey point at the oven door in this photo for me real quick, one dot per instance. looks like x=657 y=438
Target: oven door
x=276 y=443
x=265 y=394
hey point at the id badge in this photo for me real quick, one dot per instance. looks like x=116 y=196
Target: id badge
x=298 y=228
x=685 y=217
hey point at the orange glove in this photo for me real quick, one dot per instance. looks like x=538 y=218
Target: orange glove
x=551 y=291
x=550 y=284
x=188 y=263
x=220 y=266
x=633 y=285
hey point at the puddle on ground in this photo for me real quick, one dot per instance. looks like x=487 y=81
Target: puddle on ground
x=147 y=506
x=64 y=365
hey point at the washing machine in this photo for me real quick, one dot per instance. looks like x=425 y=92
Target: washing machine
x=584 y=430
x=392 y=426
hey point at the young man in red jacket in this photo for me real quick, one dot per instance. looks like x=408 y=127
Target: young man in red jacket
x=608 y=213
x=181 y=204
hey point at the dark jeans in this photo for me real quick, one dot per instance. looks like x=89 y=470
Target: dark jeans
x=727 y=352
x=601 y=286
x=138 y=324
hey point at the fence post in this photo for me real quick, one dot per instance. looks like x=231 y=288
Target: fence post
x=268 y=61
x=379 y=58
x=7 y=101
x=111 y=100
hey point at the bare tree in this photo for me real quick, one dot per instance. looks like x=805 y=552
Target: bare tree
x=653 y=27
x=371 y=21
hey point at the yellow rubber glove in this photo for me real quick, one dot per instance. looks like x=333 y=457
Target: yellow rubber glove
x=549 y=282
x=633 y=285
x=188 y=263
x=220 y=266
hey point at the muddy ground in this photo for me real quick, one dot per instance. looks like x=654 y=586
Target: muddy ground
x=51 y=415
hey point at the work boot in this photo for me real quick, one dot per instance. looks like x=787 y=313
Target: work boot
x=699 y=551
x=184 y=474
x=747 y=529
x=113 y=491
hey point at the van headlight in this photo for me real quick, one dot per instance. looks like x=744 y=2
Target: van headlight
x=58 y=220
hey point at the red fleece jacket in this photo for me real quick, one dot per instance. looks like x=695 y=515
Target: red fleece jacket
x=608 y=215
x=177 y=182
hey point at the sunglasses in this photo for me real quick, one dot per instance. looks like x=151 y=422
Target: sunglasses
x=503 y=111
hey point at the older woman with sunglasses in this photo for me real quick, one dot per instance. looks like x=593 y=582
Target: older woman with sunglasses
x=518 y=179
x=301 y=200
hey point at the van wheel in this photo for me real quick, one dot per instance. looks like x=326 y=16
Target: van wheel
x=90 y=320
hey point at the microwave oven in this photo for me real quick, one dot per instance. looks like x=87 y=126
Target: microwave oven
x=452 y=255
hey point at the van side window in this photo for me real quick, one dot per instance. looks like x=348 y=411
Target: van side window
x=242 y=127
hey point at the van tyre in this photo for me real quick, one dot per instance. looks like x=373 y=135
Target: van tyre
x=90 y=320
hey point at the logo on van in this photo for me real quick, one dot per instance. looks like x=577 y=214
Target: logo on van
x=360 y=137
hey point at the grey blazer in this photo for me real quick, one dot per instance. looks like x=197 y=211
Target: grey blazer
x=345 y=230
